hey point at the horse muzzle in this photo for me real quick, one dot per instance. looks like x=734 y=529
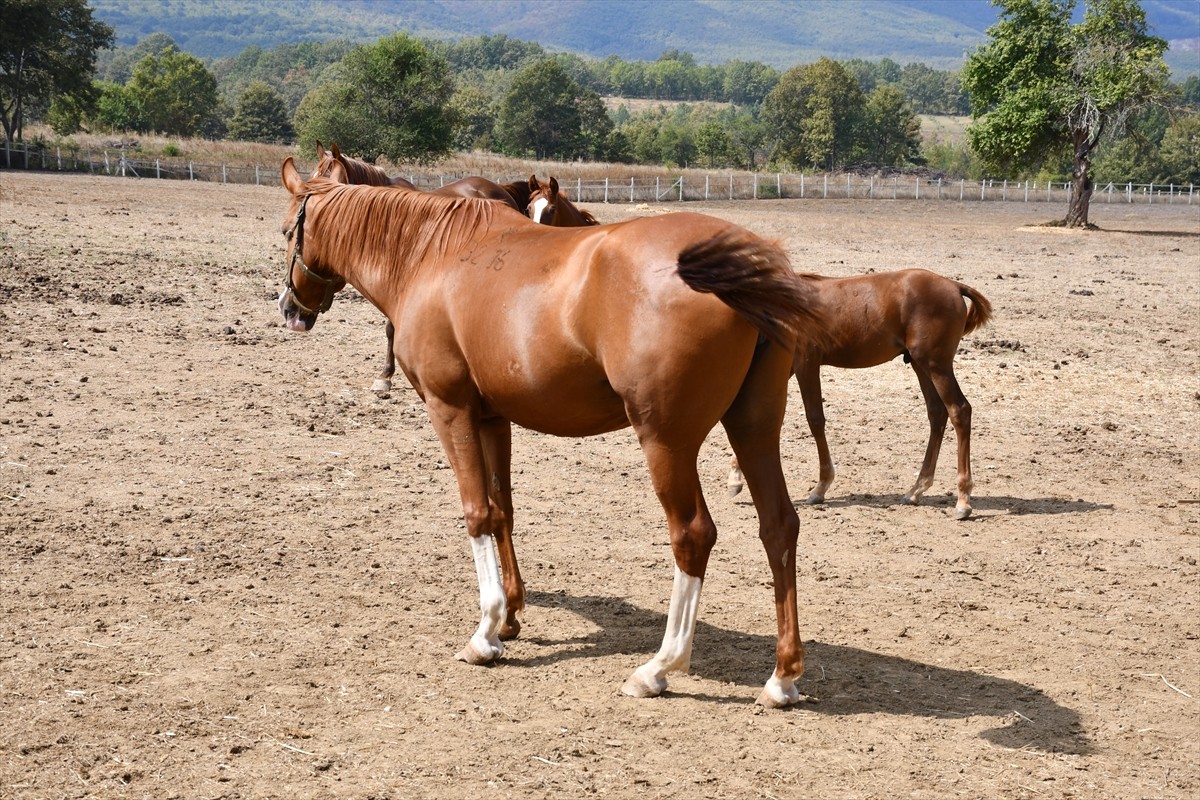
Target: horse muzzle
x=295 y=316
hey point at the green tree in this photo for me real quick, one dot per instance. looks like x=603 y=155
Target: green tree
x=47 y=49
x=595 y=125
x=116 y=109
x=714 y=145
x=261 y=116
x=394 y=100
x=1044 y=89
x=177 y=95
x=1180 y=152
x=892 y=135
x=815 y=113
x=540 y=114
x=475 y=114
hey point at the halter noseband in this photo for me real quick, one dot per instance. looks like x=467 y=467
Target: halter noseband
x=298 y=258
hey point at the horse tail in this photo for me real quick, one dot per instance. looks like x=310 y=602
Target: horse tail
x=754 y=278
x=979 y=312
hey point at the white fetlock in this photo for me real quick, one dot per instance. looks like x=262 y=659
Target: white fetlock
x=779 y=693
x=480 y=651
x=645 y=682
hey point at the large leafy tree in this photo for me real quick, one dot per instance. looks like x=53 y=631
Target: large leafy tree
x=393 y=99
x=1044 y=89
x=815 y=113
x=892 y=131
x=540 y=115
x=261 y=115
x=47 y=49
x=175 y=92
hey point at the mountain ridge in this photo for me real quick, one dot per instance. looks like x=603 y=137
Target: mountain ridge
x=781 y=33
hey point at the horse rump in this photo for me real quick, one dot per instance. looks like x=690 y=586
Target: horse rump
x=754 y=277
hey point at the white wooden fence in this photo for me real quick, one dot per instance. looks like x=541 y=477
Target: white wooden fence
x=660 y=189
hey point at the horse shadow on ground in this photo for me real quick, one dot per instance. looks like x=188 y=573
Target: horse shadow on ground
x=983 y=507
x=841 y=680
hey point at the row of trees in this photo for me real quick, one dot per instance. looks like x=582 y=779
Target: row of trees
x=1045 y=93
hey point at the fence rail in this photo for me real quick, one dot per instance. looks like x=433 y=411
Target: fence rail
x=677 y=188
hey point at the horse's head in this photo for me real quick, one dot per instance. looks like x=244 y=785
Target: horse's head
x=306 y=292
x=330 y=164
x=543 y=200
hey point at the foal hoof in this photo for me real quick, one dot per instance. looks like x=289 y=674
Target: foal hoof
x=961 y=513
x=777 y=696
x=381 y=386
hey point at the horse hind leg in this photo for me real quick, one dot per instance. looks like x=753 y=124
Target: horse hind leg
x=383 y=383
x=677 y=484
x=496 y=437
x=808 y=378
x=944 y=400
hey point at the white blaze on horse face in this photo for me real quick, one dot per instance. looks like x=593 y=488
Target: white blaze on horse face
x=675 y=655
x=486 y=641
x=538 y=208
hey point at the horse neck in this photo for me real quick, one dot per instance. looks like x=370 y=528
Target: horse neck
x=566 y=215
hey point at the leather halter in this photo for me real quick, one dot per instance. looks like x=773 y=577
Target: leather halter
x=297 y=258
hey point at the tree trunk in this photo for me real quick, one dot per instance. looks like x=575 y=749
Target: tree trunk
x=1081 y=183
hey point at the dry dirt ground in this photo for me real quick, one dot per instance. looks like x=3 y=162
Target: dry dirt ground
x=229 y=570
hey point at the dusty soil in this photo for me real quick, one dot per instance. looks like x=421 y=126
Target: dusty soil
x=227 y=569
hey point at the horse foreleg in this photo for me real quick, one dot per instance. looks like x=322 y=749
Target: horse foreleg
x=497 y=451
x=458 y=429
x=935 y=409
x=384 y=382
x=808 y=378
x=693 y=533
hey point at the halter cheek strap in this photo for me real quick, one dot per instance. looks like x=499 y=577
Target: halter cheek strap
x=298 y=259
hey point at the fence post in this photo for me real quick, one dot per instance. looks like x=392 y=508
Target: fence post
x=706 y=187
x=606 y=189
x=1110 y=188
x=1049 y=189
x=778 y=186
x=191 y=172
x=256 y=183
x=1191 y=188
x=1129 y=192
x=895 y=184
x=983 y=189
x=825 y=191
x=939 y=193
x=847 y=186
x=681 y=188
x=962 y=185
x=916 y=187
x=1004 y=190
x=1027 y=190
x=755 y=186
x=731 y=186
x=58 y=150
x=801 y=185
x=1171 y=196
x=871 y=188
x=631 y=189
x=657 y=189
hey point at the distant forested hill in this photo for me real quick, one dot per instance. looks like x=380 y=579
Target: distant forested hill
x=781 y=33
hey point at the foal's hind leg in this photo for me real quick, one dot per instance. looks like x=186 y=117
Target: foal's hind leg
x=384 y=382
x=808 y=378
x=944 y=399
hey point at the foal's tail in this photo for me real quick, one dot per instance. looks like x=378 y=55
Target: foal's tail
x=979 y=312
x=754 y=278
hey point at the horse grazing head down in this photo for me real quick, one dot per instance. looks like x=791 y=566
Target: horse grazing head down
x=305 y=293
x=549 y=205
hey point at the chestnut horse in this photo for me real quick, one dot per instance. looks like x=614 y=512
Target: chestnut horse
x=874 y=318
x=669 y=325
x=514 y=195
x=550 y=206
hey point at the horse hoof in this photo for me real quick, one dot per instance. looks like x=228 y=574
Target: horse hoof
x=381 y=385
x=815 y=499
x=639 y=685
x=734 y=489
x=477 y=656
x=962 y=513
x=510 y=630
x=778 y=696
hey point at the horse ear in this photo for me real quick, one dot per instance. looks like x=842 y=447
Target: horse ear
x=320 y=149
x=533 y=183
x=553 y=185
x=337 y=153
x=338 y=171
x=291 y=177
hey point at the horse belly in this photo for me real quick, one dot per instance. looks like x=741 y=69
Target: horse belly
x=561 y=405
